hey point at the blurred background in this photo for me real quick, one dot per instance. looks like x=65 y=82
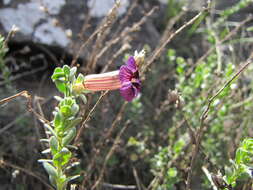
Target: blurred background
x=155 y=149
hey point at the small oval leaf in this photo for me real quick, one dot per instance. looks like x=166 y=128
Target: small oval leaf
x=50 y=169
x=53 y=144
x=69 y=137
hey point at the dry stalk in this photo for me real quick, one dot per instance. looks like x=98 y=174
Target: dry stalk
x=128 y=30
x=137 y=179
x=124 y=20
x=227 y=37
x=119 y=187
x=80 y=131
x=109 y=154
x=123 y=48
x=99 y=144
x=28 y=97
x=200 y=131
x=104 y=30
x=157 y=52
x=27 y=73
x=28 y=172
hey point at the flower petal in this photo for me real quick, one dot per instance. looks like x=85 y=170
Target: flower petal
x=137 y=85
x=128 y=91
x=131 y=65
x=125 y=74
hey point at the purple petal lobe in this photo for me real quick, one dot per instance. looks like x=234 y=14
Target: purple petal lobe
x=131 y=64
x=125 y=75
x=137 y=85
x=129 y=79
x=128 y=91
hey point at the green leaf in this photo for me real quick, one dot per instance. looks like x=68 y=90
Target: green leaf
x=71 y=122
x=52 y=181
x=72 y=73
x=53 y=142
x=44 y=140
x=178 y=146
x=50 y=169
x=61 y=86
x=66 y=69
x=66 y=110
x=74 y=109
x=250 y=29
x=50 y=129
x=62 y=157
x=172 y=172
x=58 y=70
x=47 y=151
x=80 y=78
x=58 y=98
x=45 y=160
x=58 y=119
x=69 y=137
x=56 y=76
x=72 y=147
x=83 y=98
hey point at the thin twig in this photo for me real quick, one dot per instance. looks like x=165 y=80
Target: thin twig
x=109 y=154
x=227 y=37
x=5 y=163
x=203 y=117
x=98 y=145
x=133 y=28
x=80 y=131
x=137 y=179
x=29 y=104
x=104 y=30
x=116 y=186
x=157 y=52
x=115 y=56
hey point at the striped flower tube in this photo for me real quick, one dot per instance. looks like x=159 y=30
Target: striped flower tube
x=104 y=81
x=126 y=79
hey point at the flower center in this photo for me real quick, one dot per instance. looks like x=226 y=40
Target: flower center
x=133 y=80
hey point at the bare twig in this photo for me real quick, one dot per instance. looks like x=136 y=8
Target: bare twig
x=115 y=55
x=29 y=104
x=116 y=186
x=104 y=30
x=80 y=131
x=157 y=52
x=26 y=73
x=227 y=37
x=135 y=27
x=98 y=145
x=137 y=179
x=5 y=100
x=5 y=163
x=203 y=117
x=109 y=154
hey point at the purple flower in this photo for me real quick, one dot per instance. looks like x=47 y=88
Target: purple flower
x=129 y=79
